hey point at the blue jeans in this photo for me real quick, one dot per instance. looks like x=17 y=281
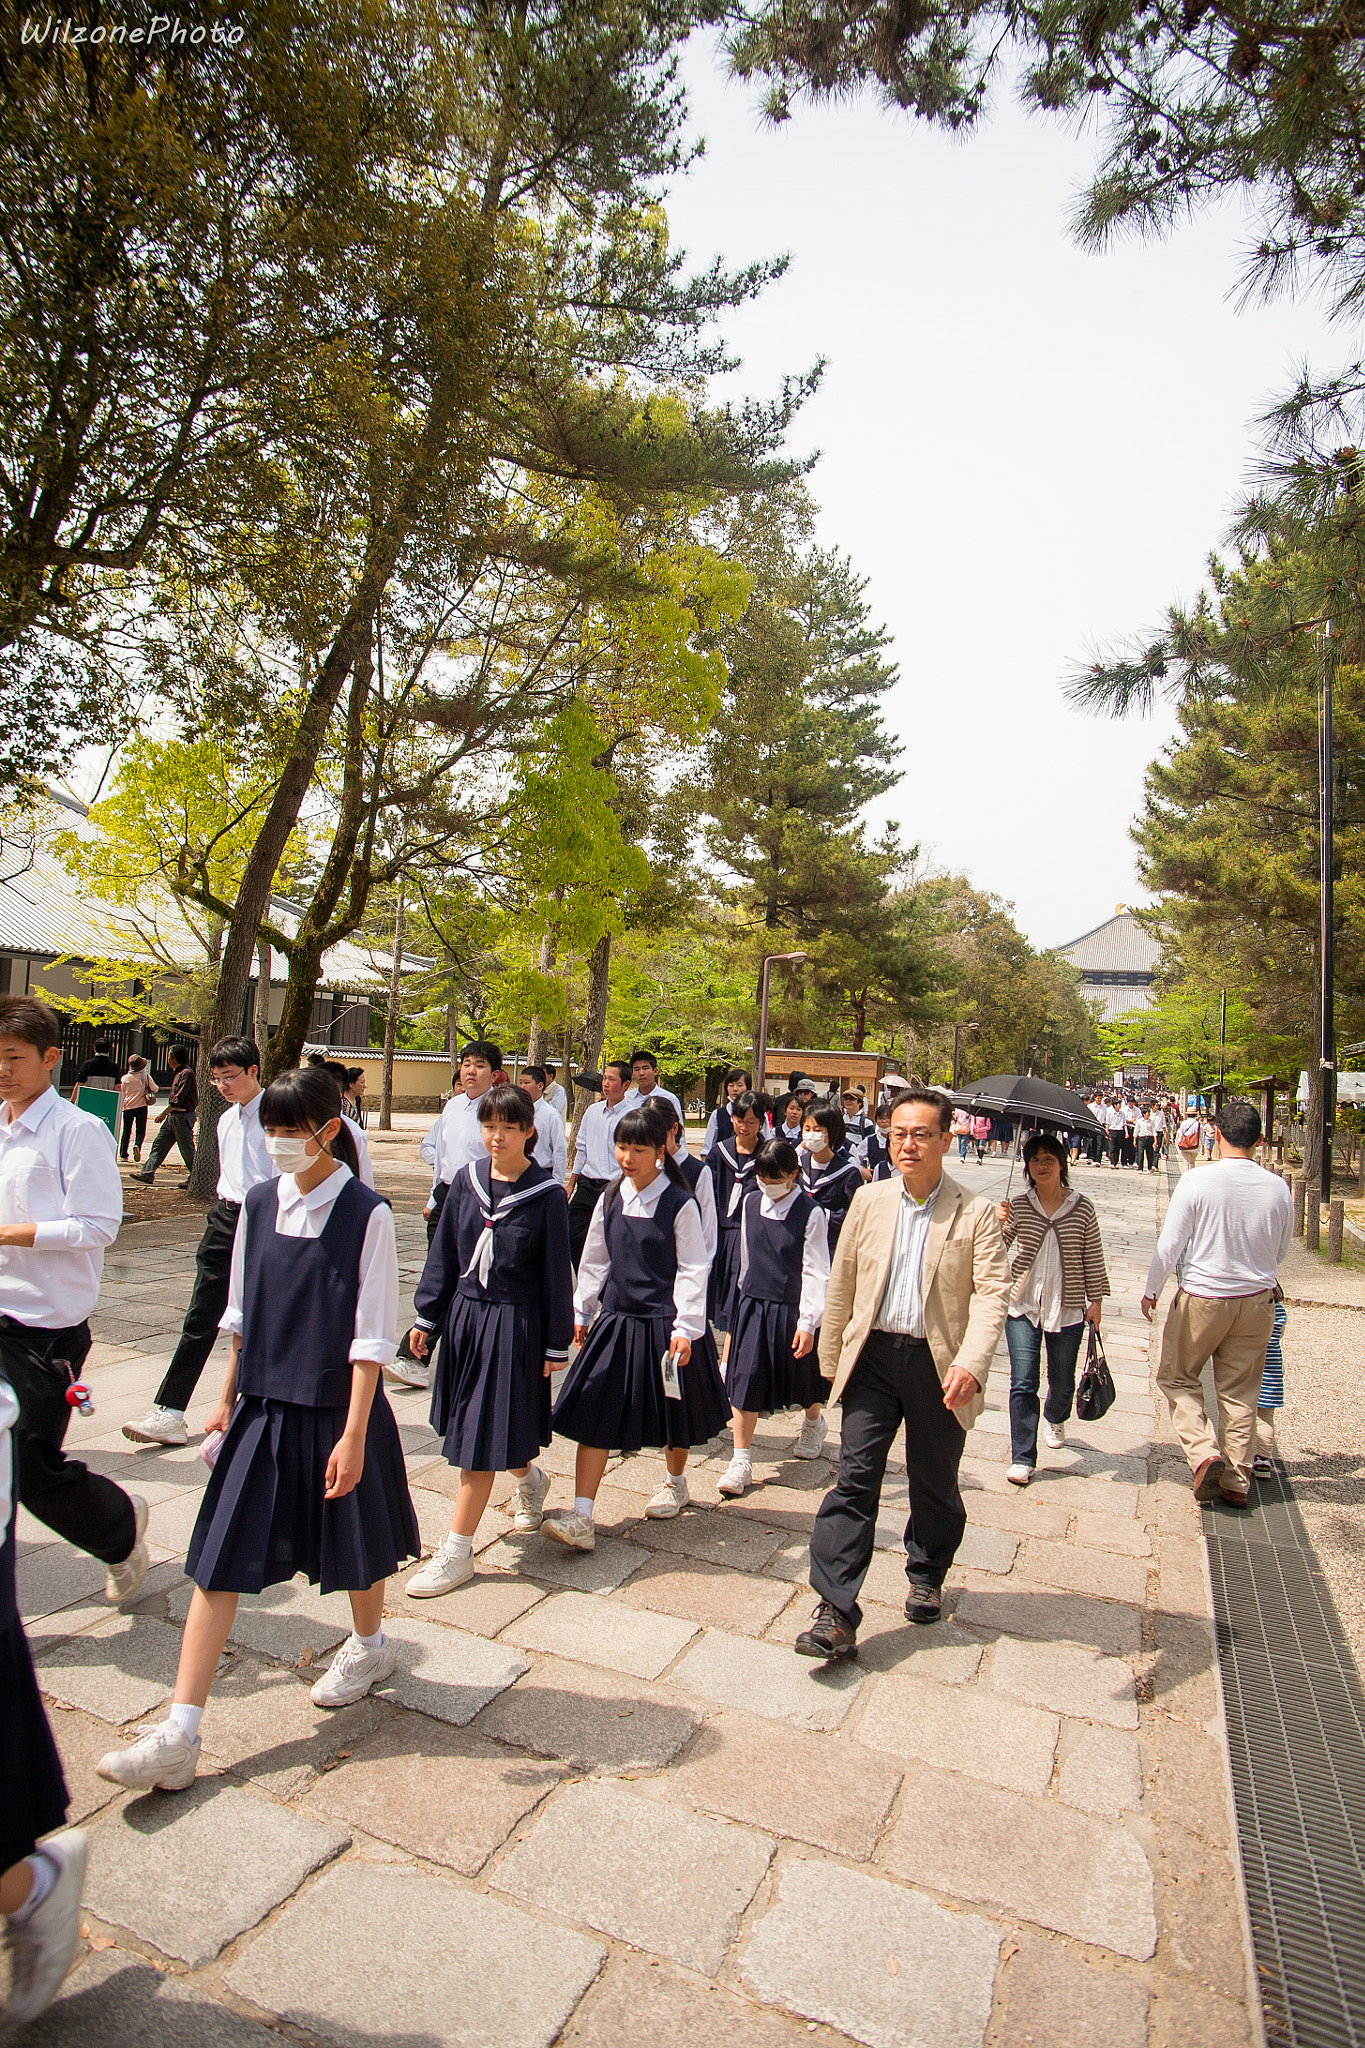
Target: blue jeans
x=1025 y=1342
x=962 y=1144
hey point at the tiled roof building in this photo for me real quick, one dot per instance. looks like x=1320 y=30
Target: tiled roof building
x=1117 y=963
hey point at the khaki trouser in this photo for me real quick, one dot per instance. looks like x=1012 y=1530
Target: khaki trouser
x=1234 y=1333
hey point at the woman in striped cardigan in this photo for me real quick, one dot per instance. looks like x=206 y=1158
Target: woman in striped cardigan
x=1059 y=1283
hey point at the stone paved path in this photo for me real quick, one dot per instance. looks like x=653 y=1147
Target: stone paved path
x=602 y=1802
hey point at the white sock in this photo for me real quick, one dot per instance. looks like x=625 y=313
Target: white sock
x=583 y=1506
x=177 y=1413
x=743 y=1457
x=45 y=1875
x=373 y=1642
x=187 y=1719
x=456 y=1546
x=678 y=1481
x=533 y=1479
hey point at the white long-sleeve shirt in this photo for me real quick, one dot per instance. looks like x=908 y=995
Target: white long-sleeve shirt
x=362 y=1153
x=59 y=1172
x=243 y=1162
x=706 y=1201
x=458 y=1138
x=1227 y=1229
x=305 y=1215
x=551 y=1148
x=689 y=1285
x=594 y=1151
x=814 y=1256
x=635 y=1100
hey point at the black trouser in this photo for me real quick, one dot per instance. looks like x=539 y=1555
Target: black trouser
x=438 y=1202
x=84 y=1507
x=1115 y=1147
x=1146 y=1150
x=134 y=1127
x=893 y=1382
x=208 y=1299
x=582 y=1202
x=178 y=1129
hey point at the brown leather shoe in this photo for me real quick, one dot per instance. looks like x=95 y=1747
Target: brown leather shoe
x=1231 y=1498
x=1208 y=1480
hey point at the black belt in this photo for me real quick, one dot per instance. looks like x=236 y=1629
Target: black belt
x=589 y=1180
x=900 y=1340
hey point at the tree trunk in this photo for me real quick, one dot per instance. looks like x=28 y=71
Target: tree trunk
x=859 y=1022
x=1312 y=1137
x=594 y=1030
x=391 y=1017
x=538 y=1043
x=452 y=1013
x=262 y=997
x=203 y=1178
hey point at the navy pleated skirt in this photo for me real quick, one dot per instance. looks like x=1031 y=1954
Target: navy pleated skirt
x=762 y=1373
x=263 y=1516
x=613 y=1395
x=720 y=1285
x=490 y=1399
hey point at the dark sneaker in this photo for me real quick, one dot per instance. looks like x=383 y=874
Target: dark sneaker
x=1262 y=1468
x=830 y=1634
x=923 y=1603
x=1208 y=1480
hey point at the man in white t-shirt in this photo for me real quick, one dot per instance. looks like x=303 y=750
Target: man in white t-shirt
x=1226 y=1231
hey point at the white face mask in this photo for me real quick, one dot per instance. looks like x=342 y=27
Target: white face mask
x=288 y=1153
x=817 y=1142
x=777 y=1190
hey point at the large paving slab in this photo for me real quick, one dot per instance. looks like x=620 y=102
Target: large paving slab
x=445 y=1794
x=718 y=1538
x=446 y=1672
x=900 y=1973
x=1067 y=1678
x=370 y=1955
x=709 y=1594
x=787 y=1783
x=289 y=1621
x=119 y=1670
x=1101 y=1772
x=1049 y=1995
x=640 y=2002
x=594 y=1720
x=116 y=2000
x=1072 y=1569
x=1053 y=1866
x=483 y=1606
x=1020 y=1610
x=190 y=1871
x=767 y=1679
x=672 y=1882
x=960 y=1728
x=588 y=1571
x=591 y=1630
x=262 y=1725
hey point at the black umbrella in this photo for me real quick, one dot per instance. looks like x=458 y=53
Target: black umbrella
x=1029 y=1099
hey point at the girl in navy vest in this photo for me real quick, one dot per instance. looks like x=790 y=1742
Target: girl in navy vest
x=40 y=1888
x=645 y=1263
x=830 y=1174
x=310 y=1475
x=730 y=1163
x=778 y=1304
x=498 y=1285
x=879 y=1146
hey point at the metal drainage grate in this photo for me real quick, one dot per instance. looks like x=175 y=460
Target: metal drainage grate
x=1296 y=1735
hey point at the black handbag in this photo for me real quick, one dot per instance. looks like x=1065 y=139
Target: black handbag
x=1096 y=1392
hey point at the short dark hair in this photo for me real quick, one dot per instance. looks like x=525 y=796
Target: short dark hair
x=775 y=1158
x=103 y=1045
x=747 y=1104
x=648 y=1057
x=933 y=1098
x=537 y=1074
x=550 y=1067
x=831 y=1122
x=738 y=1074
x=482 y=1049
x=642 y=1126
x=505 y=1103
x=1046 y=1141
x=354 y=1074
x=25 y=1017
x=1240 y=1124
x=236 y=1052
x=620 y=1067
x=308 y=1099
x=178 y=1056
x=316 y=1059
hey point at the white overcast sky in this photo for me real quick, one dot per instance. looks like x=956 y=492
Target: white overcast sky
x=1028 y=450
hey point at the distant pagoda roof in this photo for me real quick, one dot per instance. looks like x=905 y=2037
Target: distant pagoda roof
x=1117 y=962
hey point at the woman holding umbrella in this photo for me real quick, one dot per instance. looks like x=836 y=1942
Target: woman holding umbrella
x=1060 y=1281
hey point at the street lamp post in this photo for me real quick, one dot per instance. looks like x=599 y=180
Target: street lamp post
x=761 y=1054
x=1327 y=1031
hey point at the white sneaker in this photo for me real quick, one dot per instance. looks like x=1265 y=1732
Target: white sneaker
x=409 y=1372
x=530 y=1499
x=570 y=1528
x=1054 y=1434
x=352 y=1672
x=123 y=1579
x=670 y=1500
x=158 y=1426
x=1019 y=1475
x=441 y=1573
x=737 y=1478
x=40 y=1951
x=163 y=1760
x=811 y=1441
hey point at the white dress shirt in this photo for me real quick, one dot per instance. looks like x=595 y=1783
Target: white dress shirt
x=902 y=1309
x=635 y=1100
x=426 y=1151
x=557 y=1099
x=705 y=1194
x=299 y=1215
x=551 y=1148
x=1038 y=1291
x=814 y=1256
x=1226 y=1230
x=458 y=1138
x=59 y=1172
x=9 y=1415
x=594 y=1151
x=243 y=1162
x=689 y=1287
x=362 y=1153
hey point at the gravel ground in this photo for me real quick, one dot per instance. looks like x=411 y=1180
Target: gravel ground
x=1321 y=1436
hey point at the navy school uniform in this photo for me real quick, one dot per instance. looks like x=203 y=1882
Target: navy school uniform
x=35 y=1797
x=732 y=1176
x=501 y=1312
x=832 y=1187
x=613 y=1396
x=762 y=1372
x=264 y=1516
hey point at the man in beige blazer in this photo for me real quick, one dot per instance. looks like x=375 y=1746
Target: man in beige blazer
x=918 y=1291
